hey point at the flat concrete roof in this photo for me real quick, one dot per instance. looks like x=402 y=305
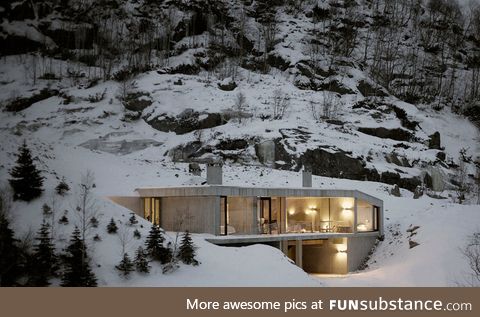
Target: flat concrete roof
x=222 y=190
x=258 y=238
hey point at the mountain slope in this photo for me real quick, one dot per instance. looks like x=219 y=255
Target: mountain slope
x=366 y=94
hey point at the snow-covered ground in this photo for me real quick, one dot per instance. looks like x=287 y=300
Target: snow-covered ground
x=57 y=134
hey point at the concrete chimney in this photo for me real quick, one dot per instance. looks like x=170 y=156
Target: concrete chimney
x=214 y=173
x=306 y=178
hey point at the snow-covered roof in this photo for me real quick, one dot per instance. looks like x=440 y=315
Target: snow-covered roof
x=222 y=190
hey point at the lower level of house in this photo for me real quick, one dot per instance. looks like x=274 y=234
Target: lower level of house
x=315 y=253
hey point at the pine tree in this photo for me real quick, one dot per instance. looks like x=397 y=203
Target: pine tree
x=94 y=222
x=45 y=259
x=141 y=261
x=77 y=269
x=112 y=227
x=62 y=187
x=10 y=256
x=186 y=251
x=125 y=266
x=26 y=180
x=137 y=234
x=133 y=220
x=63 y=220
x=154 y=246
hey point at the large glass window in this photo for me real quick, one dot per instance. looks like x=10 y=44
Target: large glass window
x=237 y=215
x=367 y=217
x=314 y=214
x=151 y=209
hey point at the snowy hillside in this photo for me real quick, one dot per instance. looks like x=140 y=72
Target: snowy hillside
x=138 y=92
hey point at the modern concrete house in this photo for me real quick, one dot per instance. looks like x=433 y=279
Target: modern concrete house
x=323 y=231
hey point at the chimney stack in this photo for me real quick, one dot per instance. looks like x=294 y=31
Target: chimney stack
x=307 y=178
x=214 y=173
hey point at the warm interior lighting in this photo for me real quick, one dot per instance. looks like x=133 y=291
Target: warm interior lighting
x=361 y=227
x=347 y=204
x=291 y=212
x=341 y=248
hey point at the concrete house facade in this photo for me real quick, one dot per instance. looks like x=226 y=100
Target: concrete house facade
x=322 y=231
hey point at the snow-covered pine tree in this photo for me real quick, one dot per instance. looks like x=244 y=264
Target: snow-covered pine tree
x=112 y=227
x=26 y=180
x=45 y=261
x=63 y=220
x=137 y=234
x=62 y=187
x=10 y=259
x=133 y=220
x=154 y=246
x=77 y=269
x=141 y=261
x=186 y=251
x=125 y=266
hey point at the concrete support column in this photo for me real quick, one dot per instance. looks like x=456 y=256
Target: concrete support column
x=283 y=215
x=298 y=253
x=216 y=216
x=255 y=217
x=284 y=247
x=355 y=214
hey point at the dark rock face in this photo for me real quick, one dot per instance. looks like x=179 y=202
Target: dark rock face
x=195 y=169
x=137 y=102
x=403 y=117
x=12 y=45
x=20 y=104
x=232 y=145
x=394 y=134
x=187 y=69
x=367 y=90
x=337 y=164
x=305 y=70
x=473 y=113
x=22 y=11
x=227 y=87
x=277 y=61
x=336 y=86
x=80 y=38
x=395 y=191
x=434 y=142
x=441 y=156
x=428 y=181
x=186 y=122
x=397 y=160
x=335 y=121
x=281 y=154
x=412 y=244
x=418 y=192
x=395 y=179
x=187 y=152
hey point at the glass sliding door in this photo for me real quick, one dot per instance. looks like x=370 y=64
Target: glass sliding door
x=151 y=209
x=266 y=218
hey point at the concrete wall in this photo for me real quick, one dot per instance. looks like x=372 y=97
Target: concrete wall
x=199 y=214
x=134 y=203
x=358 y=249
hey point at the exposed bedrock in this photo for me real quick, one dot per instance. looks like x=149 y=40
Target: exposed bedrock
x=187 y=121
